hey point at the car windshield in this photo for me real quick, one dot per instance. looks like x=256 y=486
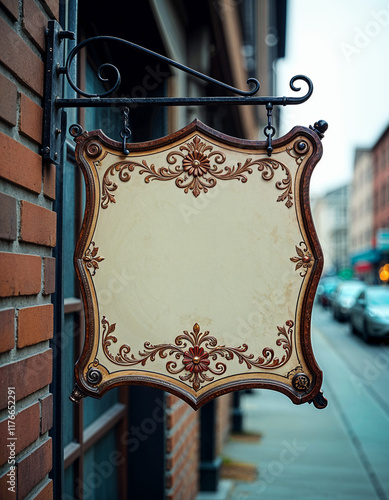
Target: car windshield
x=330 y=287
x=350 y=290
x=378 y=296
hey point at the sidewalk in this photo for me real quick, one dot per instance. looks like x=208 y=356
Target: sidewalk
x=303 y=453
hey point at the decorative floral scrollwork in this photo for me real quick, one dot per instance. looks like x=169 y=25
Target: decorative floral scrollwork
x=198 y=171
x=195 y=173
x=267 y=168
x=108 y=185
x=197 y=359
x=91 y=258
x=196 y=163
x=303 y=260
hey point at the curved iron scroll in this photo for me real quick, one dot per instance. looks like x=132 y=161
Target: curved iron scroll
x=245 y=97
x=197 y=74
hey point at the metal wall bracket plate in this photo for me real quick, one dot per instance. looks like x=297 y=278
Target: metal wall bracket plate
x=54 y=120
x=198 y=262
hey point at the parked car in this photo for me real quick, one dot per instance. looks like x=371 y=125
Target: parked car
x=344 y=298
x=325 y=289
x=370 y=313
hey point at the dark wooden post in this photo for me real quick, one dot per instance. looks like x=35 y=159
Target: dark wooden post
x=210 y=462
x=146 y=443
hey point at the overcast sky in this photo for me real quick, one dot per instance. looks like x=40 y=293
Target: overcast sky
x=343 y=47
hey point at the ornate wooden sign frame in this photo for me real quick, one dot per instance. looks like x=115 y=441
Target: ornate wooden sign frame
x=198 y=263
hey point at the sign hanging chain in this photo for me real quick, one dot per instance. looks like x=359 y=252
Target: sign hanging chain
x=125 y=133
x=269 y=130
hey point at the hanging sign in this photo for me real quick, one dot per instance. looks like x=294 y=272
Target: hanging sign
x=198 y=263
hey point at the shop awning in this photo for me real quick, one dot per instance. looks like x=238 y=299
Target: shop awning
x=372 y=256
x=363 y=267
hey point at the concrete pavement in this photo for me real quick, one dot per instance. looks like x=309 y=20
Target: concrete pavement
x=340 y=452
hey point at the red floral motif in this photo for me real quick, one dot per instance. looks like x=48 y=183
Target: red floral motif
x=196 y=359
x=196 y=169
x=196 y=163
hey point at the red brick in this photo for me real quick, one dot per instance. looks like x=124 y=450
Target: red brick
x=20 y=59
x=223 y=420
x=171 y=400
x=46 y=413
x=38 y=224
x=31 y=119
x=182 y=450
x=34 y=23
x=175 y=436
x=4 y=491
x=176 y=441
x=26 y=431
x=35 y=325
x=182 y=470
x=8 y=98
x=33 y=468
x=49 y=173
x=19 y=164
x=46 y=493
x=183 y=481
x=20 y=274
x=7 y=329
x=177 y=414
x=12 y=6
x=8 y=219
x=52 y=7
x=26 y=375
x=48 y=275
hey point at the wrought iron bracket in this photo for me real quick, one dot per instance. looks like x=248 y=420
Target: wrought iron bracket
x=54 y=102
x=54 y=119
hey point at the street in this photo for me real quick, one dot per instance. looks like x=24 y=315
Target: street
x=339 y=452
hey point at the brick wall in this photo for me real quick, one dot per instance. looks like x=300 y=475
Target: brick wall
x=182 y=450
x=27 y=269
x=223 y=421
x=183 y=444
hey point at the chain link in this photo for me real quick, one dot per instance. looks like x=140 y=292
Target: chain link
x=125 y=133
x=269 y=130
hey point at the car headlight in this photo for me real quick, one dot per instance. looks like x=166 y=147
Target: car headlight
x=371 y=314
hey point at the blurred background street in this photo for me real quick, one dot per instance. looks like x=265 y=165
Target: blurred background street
x=339 y=452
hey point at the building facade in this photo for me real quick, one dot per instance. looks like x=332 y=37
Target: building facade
x=381 y=181
x=362 y=252
x=136 y=442
x=332 y=220
x=381 y=199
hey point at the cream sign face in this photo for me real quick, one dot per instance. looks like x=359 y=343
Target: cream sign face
x=198 y=263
